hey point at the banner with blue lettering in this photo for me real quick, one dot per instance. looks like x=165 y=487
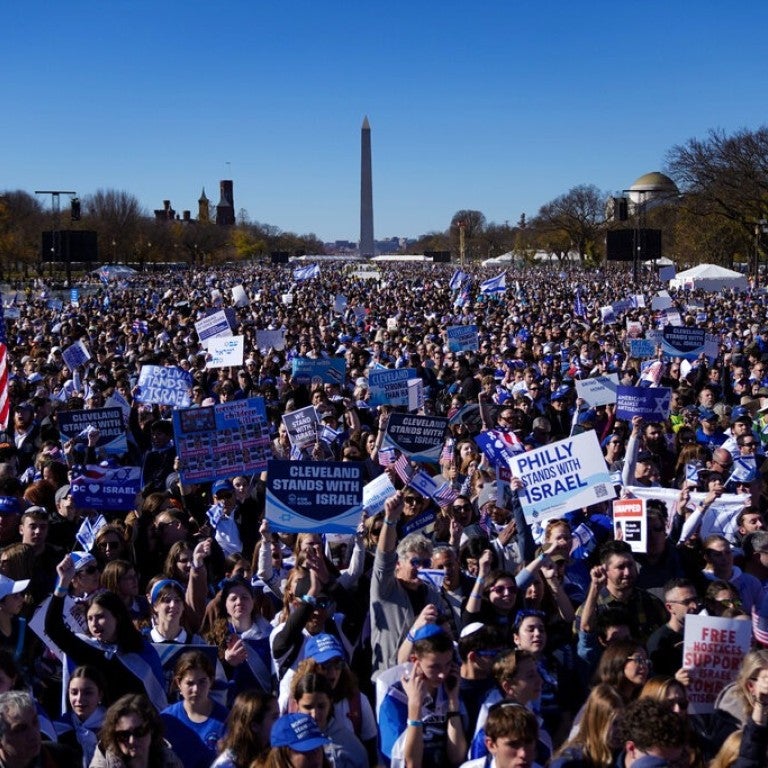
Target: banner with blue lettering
x=217 y=323
x=222 y=440
x=314 y=496
x=652 y=403
x=110 y=423
x=328 y=370
x=109 y=490
x=75 y=355
x=376 y=493
x=462 y=338
x=686 y=342
x=562 y=476
x=164 y=385
x=389 y=386
x=420 y=438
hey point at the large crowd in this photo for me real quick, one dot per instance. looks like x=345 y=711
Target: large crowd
x=444 y=632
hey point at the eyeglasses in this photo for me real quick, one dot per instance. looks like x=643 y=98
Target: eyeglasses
x=125 y=736
x=729 y=602
x=420 y=562
x=411 y=500
x=641 y=661
x=503 y=590
x=687 y=601
x=461 y=506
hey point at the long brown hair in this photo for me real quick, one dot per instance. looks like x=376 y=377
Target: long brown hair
x=134 y=704
x=249 y=708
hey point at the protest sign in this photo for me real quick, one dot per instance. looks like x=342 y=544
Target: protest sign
x=607 y=314
x=661 y=301
x=110 y=423
x=74 y=355
x=652 y=403
x=562 y=476
x=339 y=303
x=215 y=324
x=462 y=338
x=105 y=489
x=634 y=329
x=498 y=446
x=642 y=348
x=389 y=386
x=74 y=615
x=314 y=496
x=686 y=342
x=420 y=438
x=170 y=653
x=223 y=440
x=164 y=385
x=302 y=426
x=713 y=649
x=225 y=352
x=598 y=390
x=274 y=339
x=328 y=370
x=415 y=394
x=630 y=523
x=376 y=493
x=287 y=299
x=667 y=273
x=239 y=296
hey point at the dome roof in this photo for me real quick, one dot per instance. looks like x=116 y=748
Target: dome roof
x=655 y=182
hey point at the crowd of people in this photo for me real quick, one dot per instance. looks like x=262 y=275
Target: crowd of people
x=446 y=631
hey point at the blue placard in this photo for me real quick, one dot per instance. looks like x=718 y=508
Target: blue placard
x=109 y=421
x=420 y=438
x=314 y=496
x=328 y=370
x=164 y=385
x=652 y=403
x=642 y=348
x=462 y=338
x=389 y=386
x=110 y=490
x=223 y=440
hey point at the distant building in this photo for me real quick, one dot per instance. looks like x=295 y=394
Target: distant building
x=203 y=208
x=225 y=210
x=166 y=213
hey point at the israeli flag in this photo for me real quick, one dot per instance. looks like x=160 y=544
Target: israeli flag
x=306 y=273
x=496 y=284
x=579 y=310
x=86 y=534
x=692 y=473
x=744 y=470
x=457 y=280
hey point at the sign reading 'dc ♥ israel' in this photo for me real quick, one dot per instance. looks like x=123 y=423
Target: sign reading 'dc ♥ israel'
x=107 y=489
x=389 y=386
x=562 y=476
x=598 y=390
x=314 y=496
x=713 y=649
x=164 y=385
x=462 y=338
x=420 y=438
x=327 y=370
x=651 y=403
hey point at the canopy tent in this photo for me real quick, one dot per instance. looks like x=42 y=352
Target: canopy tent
x=709 y=277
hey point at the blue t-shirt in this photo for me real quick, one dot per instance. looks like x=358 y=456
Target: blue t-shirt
x=194 y=743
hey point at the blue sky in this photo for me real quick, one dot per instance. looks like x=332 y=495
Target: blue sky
x=497 y=106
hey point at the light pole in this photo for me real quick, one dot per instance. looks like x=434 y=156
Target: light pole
x=56 y=230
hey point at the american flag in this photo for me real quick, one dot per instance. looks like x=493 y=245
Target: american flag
x=446 y=456
x=403 y=468
x=445 y=494
x=760 y=627
x=140 y=326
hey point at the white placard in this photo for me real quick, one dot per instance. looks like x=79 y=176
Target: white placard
x=598 y=390
x=225 y=352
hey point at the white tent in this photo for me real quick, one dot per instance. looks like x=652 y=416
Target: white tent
x=709 y=277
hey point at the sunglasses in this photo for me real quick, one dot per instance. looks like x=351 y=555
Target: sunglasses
x=125 y=736
x=420 y=562
x=411 y=500
x=461 y=506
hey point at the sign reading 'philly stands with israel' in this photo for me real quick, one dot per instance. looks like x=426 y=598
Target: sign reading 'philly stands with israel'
x=561 y=477
x=314 y=496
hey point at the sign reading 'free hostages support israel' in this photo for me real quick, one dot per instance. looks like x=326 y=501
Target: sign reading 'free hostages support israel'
x=561 y=477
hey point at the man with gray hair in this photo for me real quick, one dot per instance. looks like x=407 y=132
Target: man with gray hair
x=21 y=744
x=398 y=595
x=755 y=548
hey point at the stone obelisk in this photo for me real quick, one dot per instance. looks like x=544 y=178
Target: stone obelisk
x=366 y=193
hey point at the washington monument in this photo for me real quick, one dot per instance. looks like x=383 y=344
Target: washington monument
x=366 y=192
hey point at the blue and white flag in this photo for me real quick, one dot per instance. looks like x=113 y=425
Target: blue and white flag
x=327 y=434
x=457 y=280
x=744 y=470
x=86 y=534
x=692 y=473
x=306 y=273
x=140 y=326
x=578 y=305
x=496 y=284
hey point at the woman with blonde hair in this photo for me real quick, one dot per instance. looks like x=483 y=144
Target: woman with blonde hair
x=590 y=747
x=734 y=705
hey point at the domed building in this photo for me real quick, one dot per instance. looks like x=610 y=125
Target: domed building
x=650 y=188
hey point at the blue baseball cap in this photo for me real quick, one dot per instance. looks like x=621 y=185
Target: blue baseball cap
x=707 y=414
x=298 y=732
x=322 y=648
x=222 y=485
x=561 y=392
